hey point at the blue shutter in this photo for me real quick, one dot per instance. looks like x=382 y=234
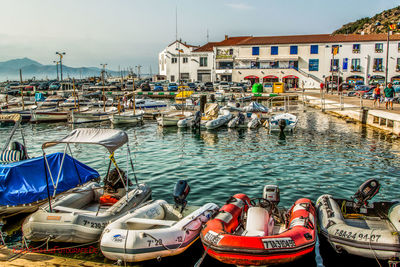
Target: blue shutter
x=274 y=50
x=314 y=49
x=293 y=50
x=345 y=63
x=313 y=65
x=256 y=51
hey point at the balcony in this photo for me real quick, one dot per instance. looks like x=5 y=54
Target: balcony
x=378 y=50
x=356 y=68
x=356 y=51
x=334 y=68
x=377 y=68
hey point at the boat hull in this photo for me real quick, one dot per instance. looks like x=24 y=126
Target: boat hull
x=122 y=119
x=77 y=225
x=38 y=117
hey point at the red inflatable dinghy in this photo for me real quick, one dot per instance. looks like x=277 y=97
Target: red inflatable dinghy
x=255 y=232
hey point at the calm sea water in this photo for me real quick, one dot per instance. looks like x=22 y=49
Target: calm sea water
x=324 y=155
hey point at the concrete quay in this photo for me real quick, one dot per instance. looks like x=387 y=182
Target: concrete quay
x=354 y=108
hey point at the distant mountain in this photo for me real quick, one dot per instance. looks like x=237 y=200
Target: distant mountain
x=9 y=70
x=368 y=25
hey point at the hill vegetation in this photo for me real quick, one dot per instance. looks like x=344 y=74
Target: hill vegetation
x=369 y=25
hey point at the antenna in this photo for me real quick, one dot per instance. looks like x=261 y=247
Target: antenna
x=176 y=23
x=207 y=35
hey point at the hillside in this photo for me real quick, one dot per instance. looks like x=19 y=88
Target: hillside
x=368 y=25
x=9 y=70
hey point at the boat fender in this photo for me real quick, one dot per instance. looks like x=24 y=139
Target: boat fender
x=108 y=200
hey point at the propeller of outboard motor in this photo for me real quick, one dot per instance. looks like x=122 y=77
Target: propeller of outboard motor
x=282 y=124
x=241 y=118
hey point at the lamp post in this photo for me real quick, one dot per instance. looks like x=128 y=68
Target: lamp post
x=102 y=78
x=61 y=54
x=57 y=68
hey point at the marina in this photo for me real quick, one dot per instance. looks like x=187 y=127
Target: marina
x=235 y=146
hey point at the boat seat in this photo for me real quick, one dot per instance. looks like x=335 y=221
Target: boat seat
x=257 y=222
x=71 y=210
x=9 y=156
x=150 y=221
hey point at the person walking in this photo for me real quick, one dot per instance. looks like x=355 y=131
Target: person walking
x=389 y=95
x=377 y=95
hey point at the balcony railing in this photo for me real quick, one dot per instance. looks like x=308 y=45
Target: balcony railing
x=356 y=51
x=356 y=68
x=378 y=50
x=256 y=67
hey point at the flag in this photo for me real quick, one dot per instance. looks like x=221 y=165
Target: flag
x=392 y=26
x=179 y=50
x=335 y=50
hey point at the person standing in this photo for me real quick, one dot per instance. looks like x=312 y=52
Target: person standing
x=389 y=95
x=377 y=95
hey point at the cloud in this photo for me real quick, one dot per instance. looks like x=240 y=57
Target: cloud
x=240 y=6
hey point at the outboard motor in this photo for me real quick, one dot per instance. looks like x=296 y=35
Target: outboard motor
x=272 y=193
x=241 y=118
x=181 y=190
x=197 y=119
x=366 y=191
x=282 y=124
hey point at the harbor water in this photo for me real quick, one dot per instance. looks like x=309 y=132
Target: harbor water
x=324 y=155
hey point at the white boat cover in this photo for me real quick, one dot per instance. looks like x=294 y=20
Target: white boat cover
x=111 y=139
x=255 y=107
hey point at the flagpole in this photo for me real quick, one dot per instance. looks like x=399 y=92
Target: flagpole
x=387 y=56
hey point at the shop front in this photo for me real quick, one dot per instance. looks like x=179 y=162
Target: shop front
x=355 y=79
x=291 y=81
x=377 y=79
x=253 y=79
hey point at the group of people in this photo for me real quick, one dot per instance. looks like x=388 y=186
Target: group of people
x=387 y=95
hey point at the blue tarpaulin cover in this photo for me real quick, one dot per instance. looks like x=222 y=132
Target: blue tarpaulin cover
x=25 y=181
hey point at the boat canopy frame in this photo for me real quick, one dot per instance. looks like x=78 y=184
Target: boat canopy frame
x=111 y=139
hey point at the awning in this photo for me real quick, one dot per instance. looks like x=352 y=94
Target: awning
x=10 y=117
x=109 y=138
x=290 y=77
x=270 y=77
x=251 y=77
x=376 y=77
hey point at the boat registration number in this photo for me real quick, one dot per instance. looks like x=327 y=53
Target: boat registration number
x=284 y=242
x=357 y=236
x=213 y=238
x=96 y=225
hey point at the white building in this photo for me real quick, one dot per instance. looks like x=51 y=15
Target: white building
x=299 y=60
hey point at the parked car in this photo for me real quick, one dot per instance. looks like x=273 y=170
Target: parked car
x=192 y=86
x=208 y=86
x=172 y=87
x=145 y=87
x=158 y=87
x=224 y=86
x=55 y=86
x=345 y=86
x=43 y=86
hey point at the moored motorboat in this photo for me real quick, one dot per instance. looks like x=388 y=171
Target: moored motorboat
x=93 y=115
x=81 y=215
x=239 y=121
x=359 y=228
x=222 y=119
x=156 y=230
x=192 y=121
x=171 y=119
x=282 y=122
x=256 y=232
x=128 y=117
x=254 y=122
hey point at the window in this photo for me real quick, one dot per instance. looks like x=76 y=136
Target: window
x=185 y=60
x=379 y=47
x=203 y=61
x=356 y=48
x=174 y=60
x=256 y=51
x=378 y=64
x=398 y=64
x=335 y=49
x=345 y=64
x=293 y=49
x=313 y=65
x=335 y=65
x=225 y=65
x=274 y=50
x=255 y=64
x=314 y=49
x=398 y=47
x=274 y=65
x=231 y=51
x=293 y=64
x=172 y=78
x=355 y=64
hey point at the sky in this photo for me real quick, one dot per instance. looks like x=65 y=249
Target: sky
x=126 y=33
